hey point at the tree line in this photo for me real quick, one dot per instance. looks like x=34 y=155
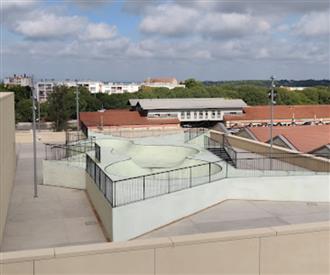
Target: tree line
x=61 y=104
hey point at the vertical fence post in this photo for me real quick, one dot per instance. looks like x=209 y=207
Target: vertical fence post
x=144 y=187
x=168 y=182
x=190 y=177
x=209 y=171
x=114 y=194
x=105 y=186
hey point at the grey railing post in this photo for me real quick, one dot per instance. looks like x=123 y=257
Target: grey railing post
x=209 y=171
x=190 y=177
x=105 y=186
x=168 y=182
x=144 y=187
x=114 y=194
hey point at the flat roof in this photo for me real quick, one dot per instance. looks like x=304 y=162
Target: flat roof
x=187 y=103
x=121 y=117
x=244 y=214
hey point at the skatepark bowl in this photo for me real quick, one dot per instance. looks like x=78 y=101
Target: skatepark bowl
x=143 y=171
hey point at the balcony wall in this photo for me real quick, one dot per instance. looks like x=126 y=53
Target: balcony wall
x=292 y=249
x=7 y=154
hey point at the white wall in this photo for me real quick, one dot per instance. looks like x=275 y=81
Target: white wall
x=59 y=173
x=7 y=154
x=152 y=213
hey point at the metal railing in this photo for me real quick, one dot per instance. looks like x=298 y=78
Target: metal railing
x=71 y=153
x=192 y=133
x=262 y=161
x=74 y=137
x=138 y=133
x=133 y=189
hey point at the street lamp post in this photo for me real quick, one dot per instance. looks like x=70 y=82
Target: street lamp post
x=34 y=142
x=271 y=119
x=77 y=106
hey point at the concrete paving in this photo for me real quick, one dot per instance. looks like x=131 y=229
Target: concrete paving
x=58 y=217
x=240 y=214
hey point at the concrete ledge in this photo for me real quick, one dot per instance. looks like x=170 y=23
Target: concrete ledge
x=292 y=249
x=222 y=236
x=102 y=248
x=301 y=228
x=26 y=255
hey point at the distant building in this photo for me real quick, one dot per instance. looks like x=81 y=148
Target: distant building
x=188 y=109
x=120 y=88
x=306 y=139
x=283 y=115
x=162 y=82
x=293 y=88
x=19 y=80
x=44 y=89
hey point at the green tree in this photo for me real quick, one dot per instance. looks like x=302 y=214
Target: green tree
x=24 y=110
x=60 y=107
x=191 y=82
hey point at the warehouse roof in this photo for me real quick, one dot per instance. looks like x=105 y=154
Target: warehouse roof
x=121 y=117
x=282 y=112
x=304 y=138
x=187 y=103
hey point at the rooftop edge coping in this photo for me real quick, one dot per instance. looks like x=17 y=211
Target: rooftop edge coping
x=102 y=248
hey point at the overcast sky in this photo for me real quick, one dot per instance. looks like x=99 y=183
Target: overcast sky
x=132 y=40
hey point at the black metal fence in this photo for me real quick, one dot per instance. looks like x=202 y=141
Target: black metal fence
x=97 y=152
x=252 y=161
x=129 y=190
x=74 y=136
x=71 y=153
x=192 y=133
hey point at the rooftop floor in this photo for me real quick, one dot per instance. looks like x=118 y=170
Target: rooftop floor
x=58 y=217
x=241 y=214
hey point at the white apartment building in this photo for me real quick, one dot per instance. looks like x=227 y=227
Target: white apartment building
x=19 y=80
x=120 y=88
x=44 y=89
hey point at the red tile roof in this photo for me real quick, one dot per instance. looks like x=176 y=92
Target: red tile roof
x=121 y=117
x=303 y=138
x=282 y=112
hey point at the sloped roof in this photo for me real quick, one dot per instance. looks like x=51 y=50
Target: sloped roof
x=189 y=103
x=282 y=112
x=304 y=138
x=121 y=117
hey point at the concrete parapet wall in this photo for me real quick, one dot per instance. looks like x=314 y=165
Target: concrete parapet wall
x=60 y=173
x=132 y=220
x=306 y=161
x=292 y=249
x=7 y=155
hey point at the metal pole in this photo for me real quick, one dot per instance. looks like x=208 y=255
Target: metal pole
x=77 y=105
x=271 y=119
x=34 y=143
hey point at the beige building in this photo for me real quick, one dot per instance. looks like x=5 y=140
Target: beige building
x=7 y=154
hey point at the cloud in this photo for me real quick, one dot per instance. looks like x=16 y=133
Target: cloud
x=176 y=20
x=171 y=20
x=181 y=36
x=17 y=4
x=49 y=26
x=313 y=24
x=91 y=4
x=99 y=31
